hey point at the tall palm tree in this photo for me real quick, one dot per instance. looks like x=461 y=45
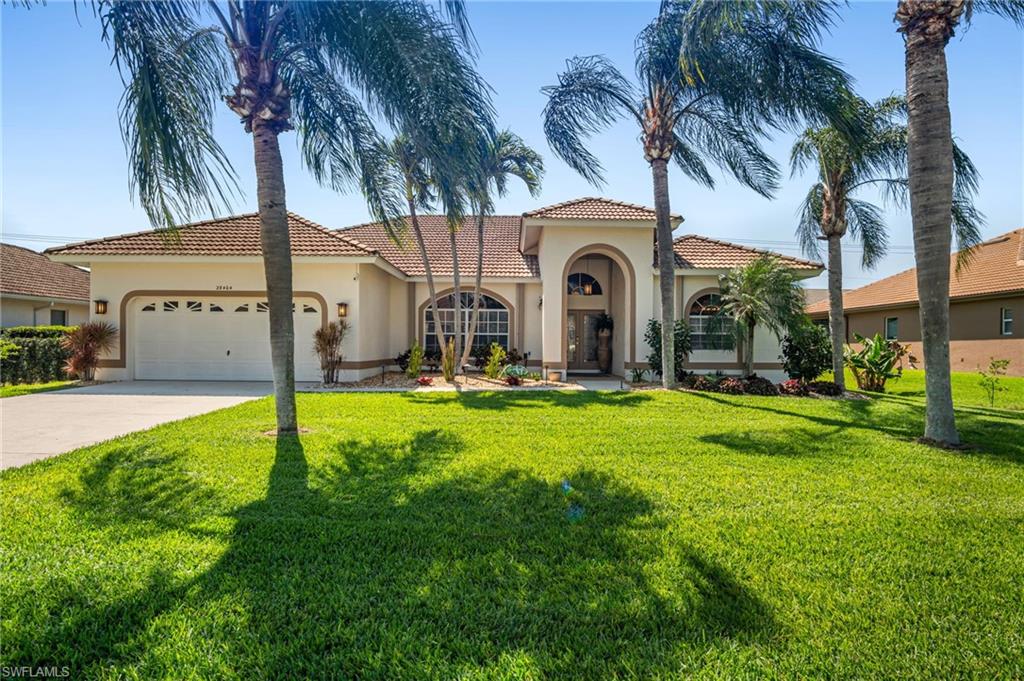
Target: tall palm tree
x=704 y=93
x=762 y=293
x=877 y=158
x=502 y=157
x=927 y=26
x=316 y=67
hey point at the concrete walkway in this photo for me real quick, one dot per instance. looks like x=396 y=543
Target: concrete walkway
x=45 y=424
x=598 y=382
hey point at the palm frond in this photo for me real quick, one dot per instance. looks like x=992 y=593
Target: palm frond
x=1007 y=9
x=690 y=162
x=591 y=94
x=967 y=223
x=808 y=228
x=867 y=224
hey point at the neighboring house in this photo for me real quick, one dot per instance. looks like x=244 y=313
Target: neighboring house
x=194 y=308
x=35 y=291
x=986 y=310
x=813 y=295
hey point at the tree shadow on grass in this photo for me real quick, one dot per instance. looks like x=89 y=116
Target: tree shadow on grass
x=529 y=399
x=996 y=435
x=388 y=562
x=799 y=443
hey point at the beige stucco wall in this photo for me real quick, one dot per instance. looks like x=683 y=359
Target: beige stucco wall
x=22 y=312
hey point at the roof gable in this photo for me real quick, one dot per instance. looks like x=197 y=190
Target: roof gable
x=27 y=273
x=595 y=208
x=996 y=266
x=237 y=235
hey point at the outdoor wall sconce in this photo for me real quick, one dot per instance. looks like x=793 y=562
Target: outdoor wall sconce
x=588 y=289
x=101 y=306
x=342 y=309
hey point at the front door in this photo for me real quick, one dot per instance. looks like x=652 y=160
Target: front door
x=581 y=339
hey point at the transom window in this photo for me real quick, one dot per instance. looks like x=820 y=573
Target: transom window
x=708 y=331
x=1006 y=321
x=492 y=326
x=582 y=284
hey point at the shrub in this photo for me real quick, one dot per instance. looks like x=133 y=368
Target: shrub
x=327 y=345
x=85 y=344
x=425 y=380
x=877 y=361
x=681 y=341
x=827 y=388
x=36 y=331
x=704 y=384
x=730 y=385
x=806 y=351
x=793 y=387
x=403 y=360
x=757 y=385
x=495 y=361
x=448 y=361
x=415 y=363
x=638 y=375
x=517 y=370
x=535 y=376
x=513 y=380
x=990 y=379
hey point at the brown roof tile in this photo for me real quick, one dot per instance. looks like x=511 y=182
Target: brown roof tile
x=502 y=257
x=25 y=272
x=996 y=266
x=238 y=235
x=700 y=252
x=593 y=208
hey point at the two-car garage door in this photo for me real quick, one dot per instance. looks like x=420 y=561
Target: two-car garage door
x=216 y=339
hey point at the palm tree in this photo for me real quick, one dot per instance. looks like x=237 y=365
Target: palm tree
x=504 y=156
x=705 y=92
x=876 y=158
x=762 y=293
x=927 y=26
x=304 y=66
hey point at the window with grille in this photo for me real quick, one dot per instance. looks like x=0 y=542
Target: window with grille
x=492 y=326
x=709 y=331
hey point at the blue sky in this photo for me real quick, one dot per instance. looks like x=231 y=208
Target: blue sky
x=65 y=176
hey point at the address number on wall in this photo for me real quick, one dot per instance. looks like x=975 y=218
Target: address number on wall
x=223 y=287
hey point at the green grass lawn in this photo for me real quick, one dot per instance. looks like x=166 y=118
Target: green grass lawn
x=967 y=391
x=29 y=388
x=429 y=536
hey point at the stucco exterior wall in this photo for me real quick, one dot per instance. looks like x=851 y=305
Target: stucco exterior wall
x=22 y=312
x=378 y=312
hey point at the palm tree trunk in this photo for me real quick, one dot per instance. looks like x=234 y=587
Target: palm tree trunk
x=457 y=288
x=476 y=290
x=836 y=318
x=750 y=349
x=666 y=271
x=438 y=331
x=277 y=267
x=930 y=165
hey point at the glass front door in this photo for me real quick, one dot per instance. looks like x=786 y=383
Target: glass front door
x=581 y=339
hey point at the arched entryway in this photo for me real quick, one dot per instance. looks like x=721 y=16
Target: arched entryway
x=597 y=279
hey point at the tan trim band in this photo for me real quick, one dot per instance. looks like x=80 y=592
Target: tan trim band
x=121 y=361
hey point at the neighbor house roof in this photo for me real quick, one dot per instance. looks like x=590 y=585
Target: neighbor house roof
x=502 y=257
x=700 y=252
x=238 y=235
x=593 y=208
x=27 y=273
x=996 y=266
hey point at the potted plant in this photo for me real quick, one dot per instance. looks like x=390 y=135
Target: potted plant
x=604 y=325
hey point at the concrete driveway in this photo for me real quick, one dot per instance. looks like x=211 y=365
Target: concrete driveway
x=42 y=425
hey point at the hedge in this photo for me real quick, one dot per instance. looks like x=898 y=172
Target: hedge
x=33 y=354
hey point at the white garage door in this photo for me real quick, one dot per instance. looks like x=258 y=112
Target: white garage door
x=216 y=339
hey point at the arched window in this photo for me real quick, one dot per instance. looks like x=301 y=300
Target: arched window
x=582 y=284
x=492 y=326
x=707 y=330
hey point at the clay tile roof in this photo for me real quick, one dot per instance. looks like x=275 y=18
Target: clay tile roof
x=592 y=208
x=699 y=252
x=237 y=235
x=25 y=272
x=996 y=266
x=502 y=257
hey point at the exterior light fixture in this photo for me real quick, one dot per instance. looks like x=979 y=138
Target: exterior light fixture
x=101 y=306
x=342 y=309
x=588 y=289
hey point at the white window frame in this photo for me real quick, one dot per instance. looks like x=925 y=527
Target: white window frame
x=701 y=338
x=885 y=328
x=488 y=325
x=1006 y=321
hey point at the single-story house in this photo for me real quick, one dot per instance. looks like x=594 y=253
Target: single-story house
x=984 y=297
x=193 y=306
x=36 y=291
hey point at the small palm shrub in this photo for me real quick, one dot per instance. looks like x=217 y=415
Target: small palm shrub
x=495 y=361
x=877 y=361
x=827 y=388
x=806 y=351
x=448 y=361
x=730 y=385
x=85 y=344
x=327 y=345
x=793 y=387
x=758 y=385
x=415 y=361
